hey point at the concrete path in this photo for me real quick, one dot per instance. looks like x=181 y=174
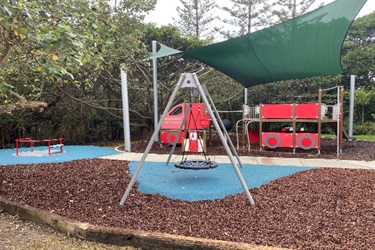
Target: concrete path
x=329 y=163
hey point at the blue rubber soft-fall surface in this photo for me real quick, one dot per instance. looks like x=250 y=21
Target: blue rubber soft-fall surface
x=7 y=156
x=195 y=185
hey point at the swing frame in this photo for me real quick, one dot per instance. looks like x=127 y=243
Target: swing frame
x=190 y=80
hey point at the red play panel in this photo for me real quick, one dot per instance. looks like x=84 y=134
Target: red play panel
x=253 y=136
x=274 y=111
x=307 y=140
x=170 y=137
x=307 y=111
x=277 y=140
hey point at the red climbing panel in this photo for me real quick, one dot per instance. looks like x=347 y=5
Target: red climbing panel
x=307 y=111
x=277 y=111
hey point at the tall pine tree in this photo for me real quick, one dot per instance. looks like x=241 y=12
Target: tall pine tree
x=195 y=16
x=246 y=16
x=284 y=10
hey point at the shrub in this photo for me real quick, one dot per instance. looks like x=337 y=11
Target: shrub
x=367 y=128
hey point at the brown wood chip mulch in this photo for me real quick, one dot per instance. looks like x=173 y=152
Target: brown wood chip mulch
x=317 y=209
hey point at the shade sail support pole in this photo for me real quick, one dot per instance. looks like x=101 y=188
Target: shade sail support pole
x=125 y=110
x=351 y=105
x=155 y=86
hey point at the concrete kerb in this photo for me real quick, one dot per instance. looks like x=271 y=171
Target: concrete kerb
x=120 y=236
x=328 y=163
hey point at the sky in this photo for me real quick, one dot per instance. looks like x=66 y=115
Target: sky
x=166 y=10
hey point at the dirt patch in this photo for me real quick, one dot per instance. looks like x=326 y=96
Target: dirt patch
x=317 y=209
x=22 y=235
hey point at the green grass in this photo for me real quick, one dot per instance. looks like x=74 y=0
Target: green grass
x=328 y=136
x=358 y=137
x=365 y=137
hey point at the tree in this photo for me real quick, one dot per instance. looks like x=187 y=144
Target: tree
x=363 y=98
x=358 y=59
x=39 y=44
x=246 y=16
x=359 y=49
x=195 y=17
x=283 y=10
x=64 y=57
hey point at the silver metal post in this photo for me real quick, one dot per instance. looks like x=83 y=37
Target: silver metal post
x=223 y=140
x=245 y=96
x=138 y=169
x=125 y=110
x=351 y=105
x=338 y=121
x=234 y=151
x=155 y=84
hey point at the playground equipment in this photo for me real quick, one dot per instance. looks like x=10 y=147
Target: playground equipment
x=193 y=130
x=293 y=136
x=40 y=152
x=189 y=80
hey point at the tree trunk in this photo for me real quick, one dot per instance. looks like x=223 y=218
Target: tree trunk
x=23 y=105
x=363 y=114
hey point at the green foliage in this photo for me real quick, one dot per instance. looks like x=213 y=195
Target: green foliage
x=359 y=49
x=363 y=98
x=367 y=128
x=67 y=55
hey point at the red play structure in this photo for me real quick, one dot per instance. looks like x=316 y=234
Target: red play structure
x=195 y=125
x=48 y=141
x=296 y=115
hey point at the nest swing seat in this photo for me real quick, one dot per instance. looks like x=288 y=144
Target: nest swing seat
x=196 y=164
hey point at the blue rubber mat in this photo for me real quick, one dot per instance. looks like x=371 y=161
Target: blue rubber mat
x=7 y=156
x=195 y=185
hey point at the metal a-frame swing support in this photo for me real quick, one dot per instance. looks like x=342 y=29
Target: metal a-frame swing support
x=190 y=80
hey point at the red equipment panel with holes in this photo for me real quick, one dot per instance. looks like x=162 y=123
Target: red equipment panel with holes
x=277 y=140
x=197 y=119
x=170 y=137
x=307 y=111
x=307 y=140
x=276 y=111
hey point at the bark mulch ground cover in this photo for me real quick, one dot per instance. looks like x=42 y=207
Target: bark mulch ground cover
x=317 y=209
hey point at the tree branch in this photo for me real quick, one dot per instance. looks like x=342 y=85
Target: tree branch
x=20 y=105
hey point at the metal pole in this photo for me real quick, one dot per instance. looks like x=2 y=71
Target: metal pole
x=151 y=142
x=338 y=122
x=155 y=84
x=245 y=96
x=223 y=140
x=351 y=105
x=222 y=125
x=125 y=110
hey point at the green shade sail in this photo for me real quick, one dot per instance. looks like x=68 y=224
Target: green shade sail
x=164 y=51
x=306 y=46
